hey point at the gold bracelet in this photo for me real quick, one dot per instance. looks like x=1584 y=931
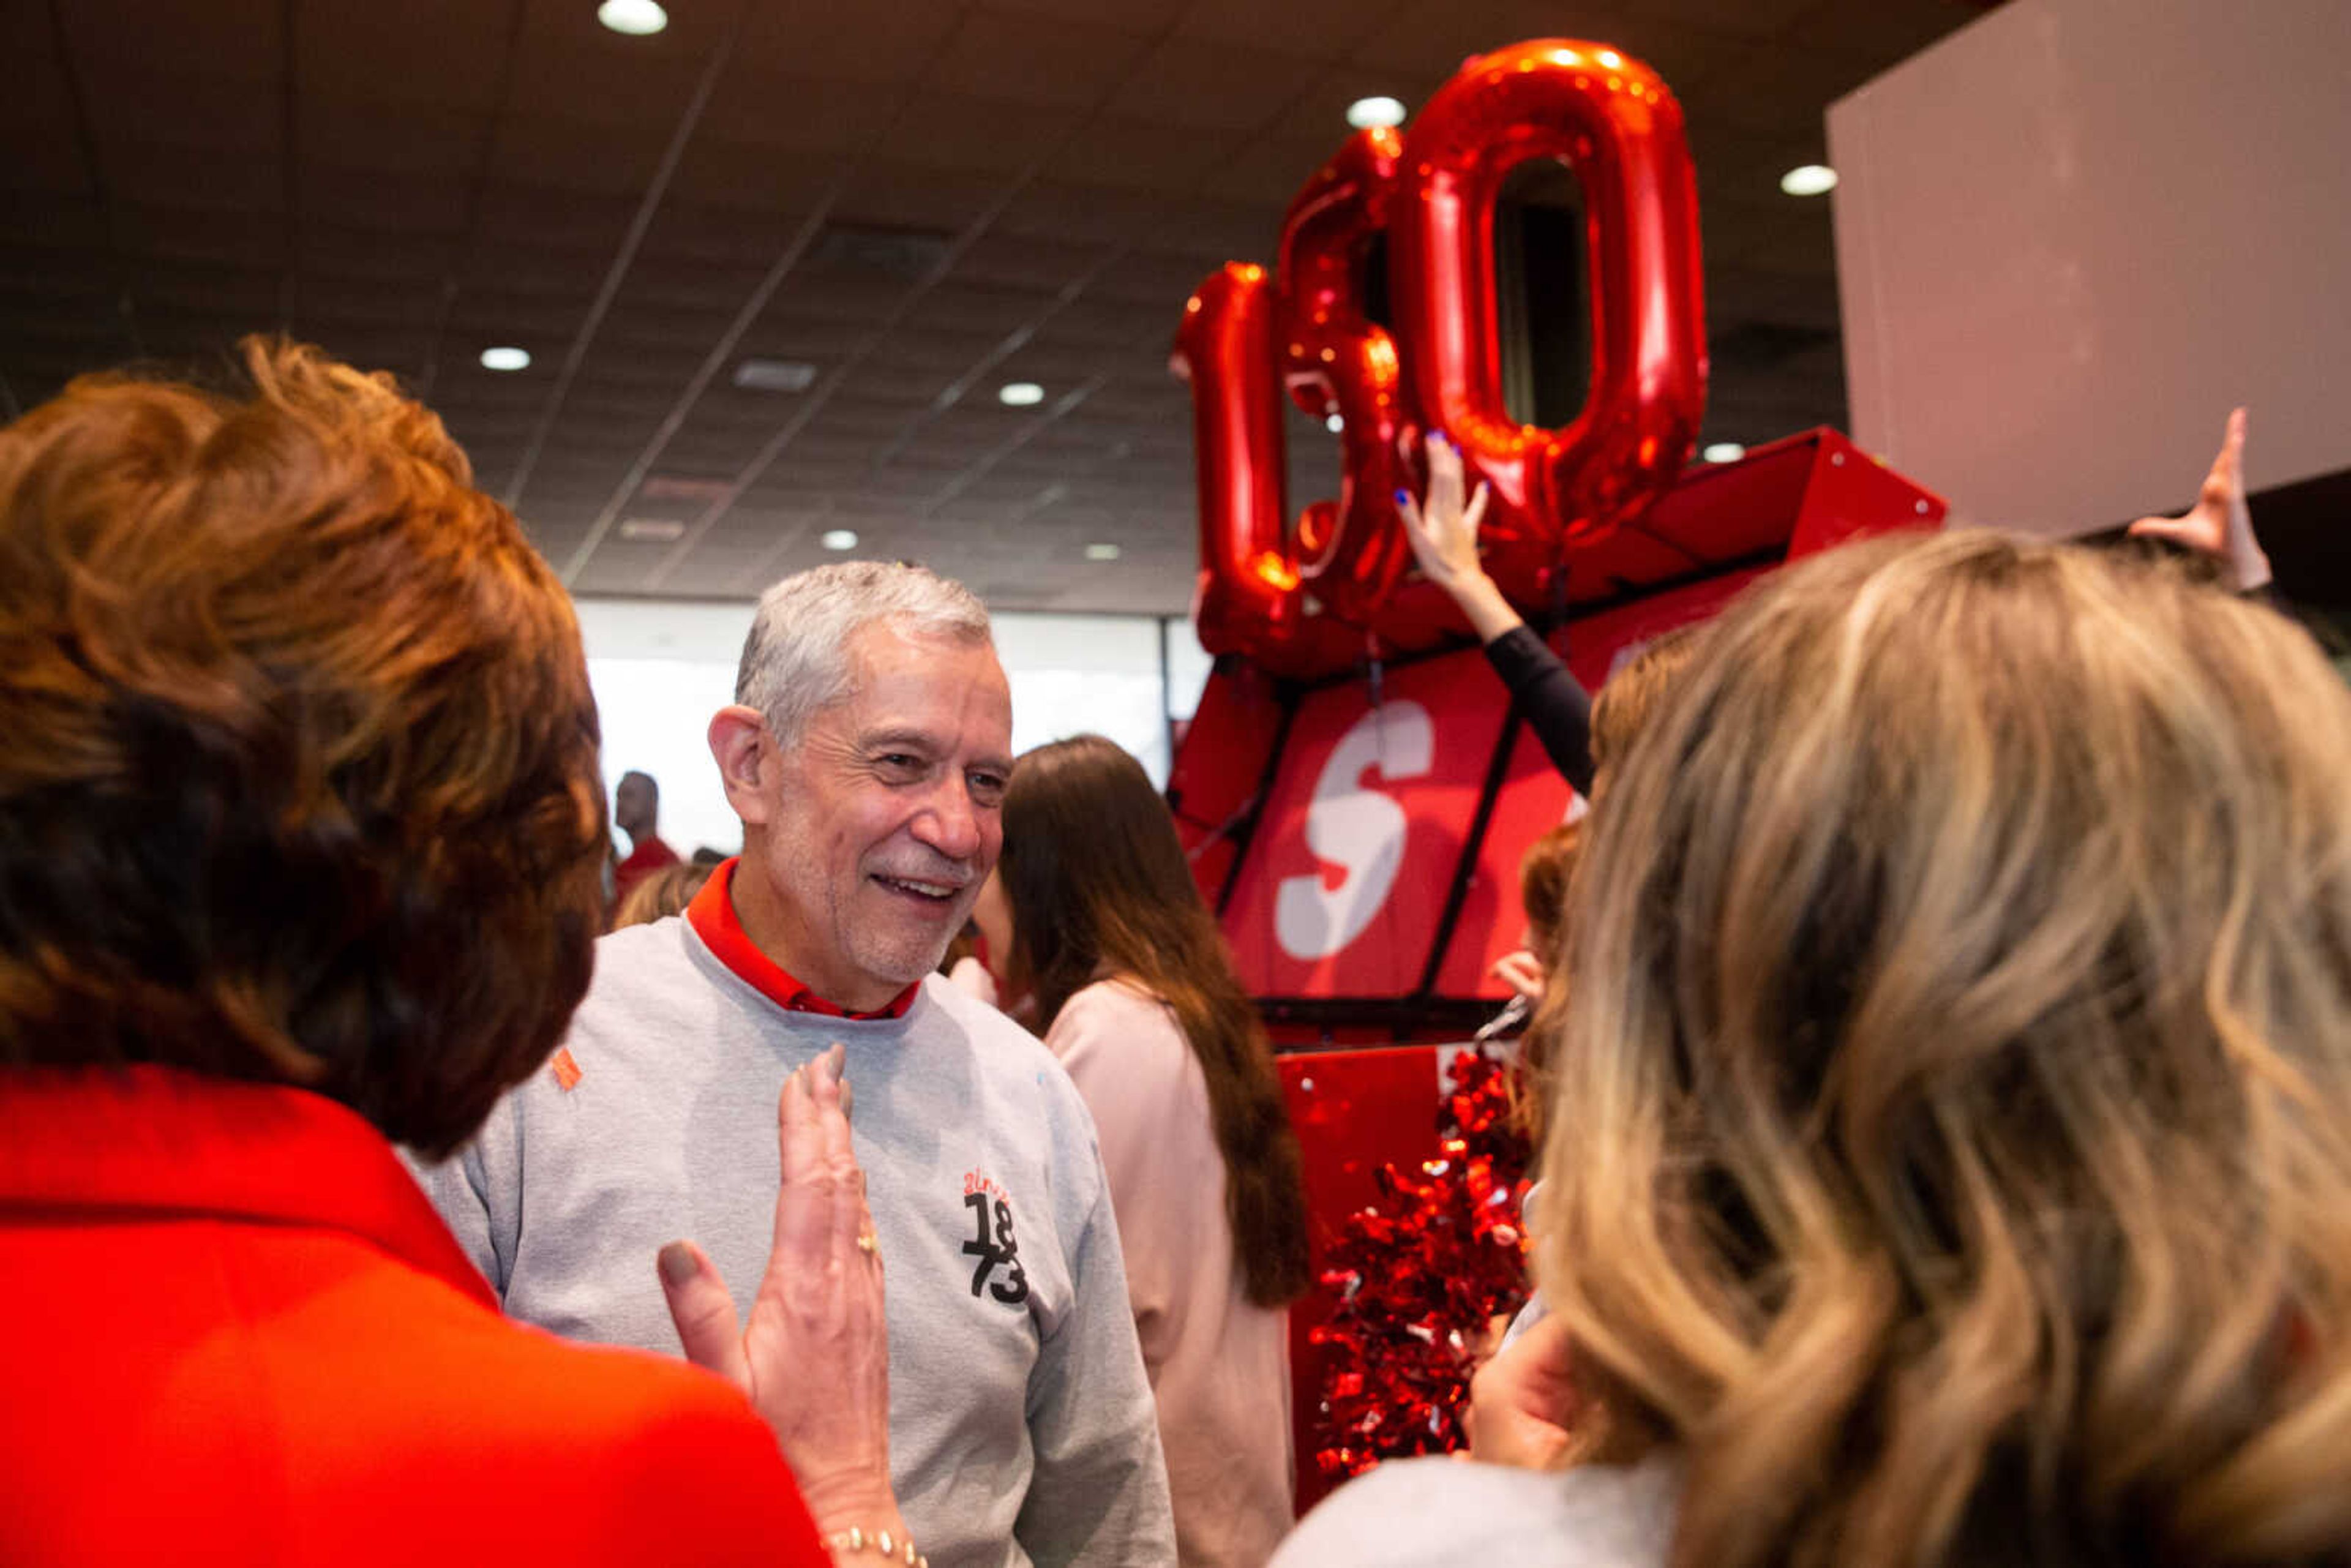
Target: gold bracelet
x=889 y=1547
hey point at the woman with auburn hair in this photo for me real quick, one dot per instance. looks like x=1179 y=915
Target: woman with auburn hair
x=300 y=839
x=1958 y=1051
x=1138 y=998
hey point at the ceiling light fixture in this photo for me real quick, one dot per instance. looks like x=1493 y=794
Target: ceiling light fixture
x=506 y=358
x=1102 y=553
x=1810 y=180
x=636 y=18
x=1373 y=113
x=1020 y=395
x=1724 y=452
x=775 y=375
x=839 y=538
x=652 y=530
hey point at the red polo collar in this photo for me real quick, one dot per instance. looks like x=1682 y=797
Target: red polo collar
x=166 y=1142
x=713 y=919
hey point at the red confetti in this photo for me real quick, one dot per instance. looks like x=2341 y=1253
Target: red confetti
x=1420 y=1278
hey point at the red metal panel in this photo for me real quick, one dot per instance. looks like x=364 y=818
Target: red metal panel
x=1220 y=767
x=1343 y=885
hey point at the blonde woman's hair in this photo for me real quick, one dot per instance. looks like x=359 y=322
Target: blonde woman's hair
x=1952 y=1147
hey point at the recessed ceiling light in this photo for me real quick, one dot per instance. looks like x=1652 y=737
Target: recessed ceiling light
x=652 y=530
x=1020 y=395
x=505 y=358
x=775 y=375
x=1724 y=452
x=839 y=538
x=1810 y=180
x=1102 y=553
x=1369 y=113
x=637 y=18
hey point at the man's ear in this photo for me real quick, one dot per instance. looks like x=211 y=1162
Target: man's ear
x=745 y=754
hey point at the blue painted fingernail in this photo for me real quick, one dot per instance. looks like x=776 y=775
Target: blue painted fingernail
x=1402 y=497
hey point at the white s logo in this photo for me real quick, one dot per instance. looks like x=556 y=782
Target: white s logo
x=1359 y=829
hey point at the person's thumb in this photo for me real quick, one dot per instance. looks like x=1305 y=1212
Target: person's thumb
x=704 y=1313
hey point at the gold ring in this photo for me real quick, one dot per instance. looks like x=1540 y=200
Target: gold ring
x=868 y=1243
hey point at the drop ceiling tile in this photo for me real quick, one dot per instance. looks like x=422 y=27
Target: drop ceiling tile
x=161 y=175
x=1026 y=261
x=1134 y=15
x=1186 y=84
x=967 y=308
x=1119 y=152
x=718 y=173
x=240 y=38
x=1432 y=37
x=574 y=155
x=957 y=130
x=551 y=217
x=421 y=52
x=797 y=112
x=411 y=207
x=1071 y=63
x=1735 y=18
x=869 y=45
x=1318 y=120
x=1269 y=171
x=1316 y=30
x=201 y=234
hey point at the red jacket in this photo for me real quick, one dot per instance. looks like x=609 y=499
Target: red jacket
x=233 y=1331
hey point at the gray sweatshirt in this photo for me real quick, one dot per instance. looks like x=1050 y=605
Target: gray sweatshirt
x=1437 y=1512
x=1021 y=1426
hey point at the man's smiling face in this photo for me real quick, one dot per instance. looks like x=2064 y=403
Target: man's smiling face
x=885 y=818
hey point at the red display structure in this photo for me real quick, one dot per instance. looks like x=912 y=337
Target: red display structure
x=1354 y=790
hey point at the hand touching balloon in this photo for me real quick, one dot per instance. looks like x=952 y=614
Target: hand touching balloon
x=1444 y=533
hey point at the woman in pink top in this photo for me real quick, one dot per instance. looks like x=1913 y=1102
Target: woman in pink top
x=1138 y=999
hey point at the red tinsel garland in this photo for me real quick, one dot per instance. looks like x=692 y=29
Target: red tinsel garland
x=1420 y=1277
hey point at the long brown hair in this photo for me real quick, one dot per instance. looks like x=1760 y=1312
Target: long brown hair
x=1955 y=1131
x=298 y=757
x=1098 y=885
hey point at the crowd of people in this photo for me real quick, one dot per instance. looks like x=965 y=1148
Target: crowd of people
x=1939 y=1031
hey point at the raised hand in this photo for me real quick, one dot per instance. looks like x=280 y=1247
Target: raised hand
x=1523 y=1403
x=813 y=1357
x=1522 y=972
x=2220 y=524
x=1443 y=529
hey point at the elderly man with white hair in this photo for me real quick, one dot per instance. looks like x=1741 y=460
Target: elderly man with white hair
x=866 y=753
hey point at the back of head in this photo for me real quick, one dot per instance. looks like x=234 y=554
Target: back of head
x=1545 y=873
x=297 y=760
x=1098 y=885
x=795 y=658
x=1955 y=1139
x=1634 y=692
x=658 y=895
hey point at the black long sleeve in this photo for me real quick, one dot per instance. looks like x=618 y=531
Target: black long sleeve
x=1552 y=701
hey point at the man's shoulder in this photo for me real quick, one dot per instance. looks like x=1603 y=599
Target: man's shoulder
x=1411 y=1510
x=989 y=1030
x=654 y=974
x=656 y=955
x=1004 y=1052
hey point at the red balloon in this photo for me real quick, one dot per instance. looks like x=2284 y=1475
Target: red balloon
x=1611 y=118
x=1335 y=360
x=1248 y=599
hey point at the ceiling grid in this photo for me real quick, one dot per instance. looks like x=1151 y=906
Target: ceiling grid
x=922 y=200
